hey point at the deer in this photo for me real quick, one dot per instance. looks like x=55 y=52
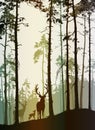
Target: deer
x=32 y=115
x=40 y=106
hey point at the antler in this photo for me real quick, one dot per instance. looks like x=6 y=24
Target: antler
x=36 y=90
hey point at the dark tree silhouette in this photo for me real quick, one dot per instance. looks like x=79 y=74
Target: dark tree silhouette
x=16 y=63
x=89 y=22
x=75 y=54
x=67 y=53
x=49 y=59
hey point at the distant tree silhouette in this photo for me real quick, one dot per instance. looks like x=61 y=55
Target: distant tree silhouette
x=42 y=48
x=60 y=4
x=5 y=73
x=83 y=61
x=61 y=44
x=24 y=94
x=22 y=111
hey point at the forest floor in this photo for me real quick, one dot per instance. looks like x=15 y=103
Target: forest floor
x=71 y=120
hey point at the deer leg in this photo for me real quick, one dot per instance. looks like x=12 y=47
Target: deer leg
x=37 y=114
x=34 y=117
x=43 y=114
x=40 y=114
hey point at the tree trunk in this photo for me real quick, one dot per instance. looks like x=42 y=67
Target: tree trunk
x=43 y=72
x=89 y=89
x=9 y=98
x=62 y=77
x=67 y=63
x=5 y=76
x=75 y=54
x=16 y=64
x=82 y=77
x=49 y=62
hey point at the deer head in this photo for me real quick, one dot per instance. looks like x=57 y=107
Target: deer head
x=38 y=93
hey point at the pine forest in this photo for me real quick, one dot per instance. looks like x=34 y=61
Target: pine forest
x=47 y=64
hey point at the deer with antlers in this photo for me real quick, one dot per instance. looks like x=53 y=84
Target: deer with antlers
x=40 y=106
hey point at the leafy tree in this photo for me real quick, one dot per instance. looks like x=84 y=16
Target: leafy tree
x=6 y=20
x=41 y=51
x=10 y=84
x=24 y=95
x=26 y=87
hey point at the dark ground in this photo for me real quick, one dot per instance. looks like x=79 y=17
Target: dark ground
x=72 y=120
